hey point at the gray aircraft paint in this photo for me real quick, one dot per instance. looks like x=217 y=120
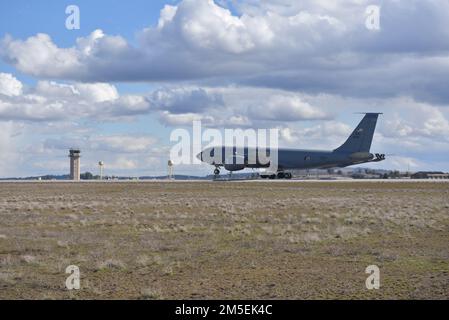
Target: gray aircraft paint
x=355 y=150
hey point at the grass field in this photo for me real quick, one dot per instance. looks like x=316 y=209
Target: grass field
x=231 y=240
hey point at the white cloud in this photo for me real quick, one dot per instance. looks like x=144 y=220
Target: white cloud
x=52 y=101
x=205 y=25
x=166 y=16
x=91 y=92
x=436 y=125
x=285 y=108
x=38 y=55
x=97 y=92
x=180 y=105
x=414 y=120
x=51 y=166
x=184 y=119
x=86 y=45
x=9 y=85
x=311 y=46
x=417 y=129
x=403 y=163
x=121 y=153
x=10 y=156
x=122 y=143
x=232 y=106
x=116 y=143
x=185 y=99
x=122 y=163
x=327 y=135
x=276 y=63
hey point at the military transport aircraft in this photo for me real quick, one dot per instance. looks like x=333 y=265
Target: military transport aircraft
x=355 y=150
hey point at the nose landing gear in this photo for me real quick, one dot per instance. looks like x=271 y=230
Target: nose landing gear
x=216 y=173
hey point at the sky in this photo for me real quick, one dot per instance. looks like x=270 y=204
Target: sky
x=135 y=71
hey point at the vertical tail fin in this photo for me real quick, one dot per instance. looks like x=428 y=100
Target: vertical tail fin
x=361 y=138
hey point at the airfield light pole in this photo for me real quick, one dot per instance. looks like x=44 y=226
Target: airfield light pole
x=170 y=175
x=101 y=165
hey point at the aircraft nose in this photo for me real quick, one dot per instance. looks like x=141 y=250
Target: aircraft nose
x=200 y=156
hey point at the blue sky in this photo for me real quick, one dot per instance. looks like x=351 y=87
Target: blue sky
x=136 y=70
x=48 y=16
x=114 y=17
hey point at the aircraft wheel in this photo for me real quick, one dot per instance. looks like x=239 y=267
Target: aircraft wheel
x=273 y=176
x=263 y=176
x=281 y=175
x=216 y=172
x=288 y=175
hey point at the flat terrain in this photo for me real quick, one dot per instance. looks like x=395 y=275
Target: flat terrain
x=196 y=240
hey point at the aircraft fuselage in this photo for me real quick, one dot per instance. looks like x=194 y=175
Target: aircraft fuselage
x=355 y=150
x=287 y=159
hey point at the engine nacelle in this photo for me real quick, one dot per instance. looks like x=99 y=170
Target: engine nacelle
x=235 y=163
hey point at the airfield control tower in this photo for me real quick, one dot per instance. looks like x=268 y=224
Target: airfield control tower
x=74 y=155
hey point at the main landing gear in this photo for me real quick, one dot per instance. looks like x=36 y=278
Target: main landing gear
x=279 y=175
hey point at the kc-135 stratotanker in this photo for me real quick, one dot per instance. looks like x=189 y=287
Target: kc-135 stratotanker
x=355 y=150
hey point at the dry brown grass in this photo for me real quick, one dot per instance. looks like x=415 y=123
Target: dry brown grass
x=158 y=240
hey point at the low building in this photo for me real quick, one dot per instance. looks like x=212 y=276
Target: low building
x=430 y=175
x=439 y=176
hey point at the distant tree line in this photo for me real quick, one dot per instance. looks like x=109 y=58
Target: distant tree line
x=89 y=176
